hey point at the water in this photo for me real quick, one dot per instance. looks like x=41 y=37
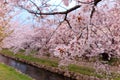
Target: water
x=34 y=72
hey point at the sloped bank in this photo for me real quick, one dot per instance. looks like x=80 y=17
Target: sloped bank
x=52 y=68
x=9 y=73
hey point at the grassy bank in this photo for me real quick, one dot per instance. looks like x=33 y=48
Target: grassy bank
x=8 y=73
x=85 y=70
x=30 y=58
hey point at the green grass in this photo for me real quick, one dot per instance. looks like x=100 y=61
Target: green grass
x=30 y=58
x=21 y=50
x=114 y=62
x=84 y=70
x=8 y=73
x=91 y=72
x=117 y=78
x=54 y=63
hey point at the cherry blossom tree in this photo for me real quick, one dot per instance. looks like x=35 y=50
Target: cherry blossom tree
x=5 y=17
x=86 y=29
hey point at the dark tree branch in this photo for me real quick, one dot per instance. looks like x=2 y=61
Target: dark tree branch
x=65 y=19
x=35 y=5
x=93 y=8
x=96 y=2
x=68 y=23
x=53 y=13
x=92 y=12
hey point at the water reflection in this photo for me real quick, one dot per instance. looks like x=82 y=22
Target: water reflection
x=36 y=73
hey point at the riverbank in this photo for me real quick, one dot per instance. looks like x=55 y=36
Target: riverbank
x=72 y=71
x=9 y=73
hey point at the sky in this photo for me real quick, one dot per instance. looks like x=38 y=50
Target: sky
x=25 y=18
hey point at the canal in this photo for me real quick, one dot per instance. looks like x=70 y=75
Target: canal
x=34 y=72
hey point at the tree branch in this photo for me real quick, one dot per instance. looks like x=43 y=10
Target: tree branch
x=53 y=13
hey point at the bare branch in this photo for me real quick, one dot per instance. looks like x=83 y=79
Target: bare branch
x=68 y=23
x=35 y=5
x=93 y=8
x=96 y=2
x=53 y=13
